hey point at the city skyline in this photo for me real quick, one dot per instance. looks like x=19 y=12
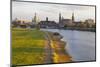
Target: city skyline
x=27 y=10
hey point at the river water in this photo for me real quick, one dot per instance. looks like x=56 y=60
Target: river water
x=79 y=44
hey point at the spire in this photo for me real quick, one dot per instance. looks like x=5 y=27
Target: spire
x=72 y=17
x=46 y=18
x=35 y=18
x=59 y=17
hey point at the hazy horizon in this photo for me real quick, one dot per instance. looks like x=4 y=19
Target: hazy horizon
x=26 y=10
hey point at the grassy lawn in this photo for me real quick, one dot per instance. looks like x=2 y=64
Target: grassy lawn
x=27 y=46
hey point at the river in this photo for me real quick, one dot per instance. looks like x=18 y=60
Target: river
x=79 y=44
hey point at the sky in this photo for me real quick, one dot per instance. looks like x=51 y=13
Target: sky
x=27 y=10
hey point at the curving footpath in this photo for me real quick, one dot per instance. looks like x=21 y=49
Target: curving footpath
x=55 y=49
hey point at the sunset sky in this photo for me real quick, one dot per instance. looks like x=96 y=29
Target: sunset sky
x=26 y=10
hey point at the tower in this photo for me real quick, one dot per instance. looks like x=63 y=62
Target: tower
x=60 y=18
x=34 y=19
x=46 y=18
x=72 y=17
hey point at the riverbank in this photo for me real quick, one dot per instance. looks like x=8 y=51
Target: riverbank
x=59 y=54
x=80 y=29
x=80 y=44
x=31 y=46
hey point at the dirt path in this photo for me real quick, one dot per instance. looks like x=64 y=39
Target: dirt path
x=55 y=51
x=48 y=49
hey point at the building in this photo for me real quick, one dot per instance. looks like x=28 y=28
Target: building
x=90 y=23
x=48 y=24
x=34 y=20
x=65 y=22
x=73 y=17
x=22 y=23
x=60 y=21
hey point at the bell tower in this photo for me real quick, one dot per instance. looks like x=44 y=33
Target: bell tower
x=34 y=19
x=60 y=18
x=73 y=17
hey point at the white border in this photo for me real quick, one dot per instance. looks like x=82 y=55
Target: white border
x=5 y=33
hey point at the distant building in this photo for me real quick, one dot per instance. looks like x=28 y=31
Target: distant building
x=22 y=23
x=90 y=22
x=25 y=23
x=60 y=18
x=78 y=24
x=65 y=22
x=34 y=20
x=46 y=18
x=72 y=17
x=48 y=24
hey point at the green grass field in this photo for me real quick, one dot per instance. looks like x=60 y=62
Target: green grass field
x=27 y=46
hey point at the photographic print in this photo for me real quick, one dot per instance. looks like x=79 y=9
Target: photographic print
x=52 y=33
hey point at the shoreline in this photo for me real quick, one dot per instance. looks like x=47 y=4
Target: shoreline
x=76 y=29
x=59 y=55
x=82 y=29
